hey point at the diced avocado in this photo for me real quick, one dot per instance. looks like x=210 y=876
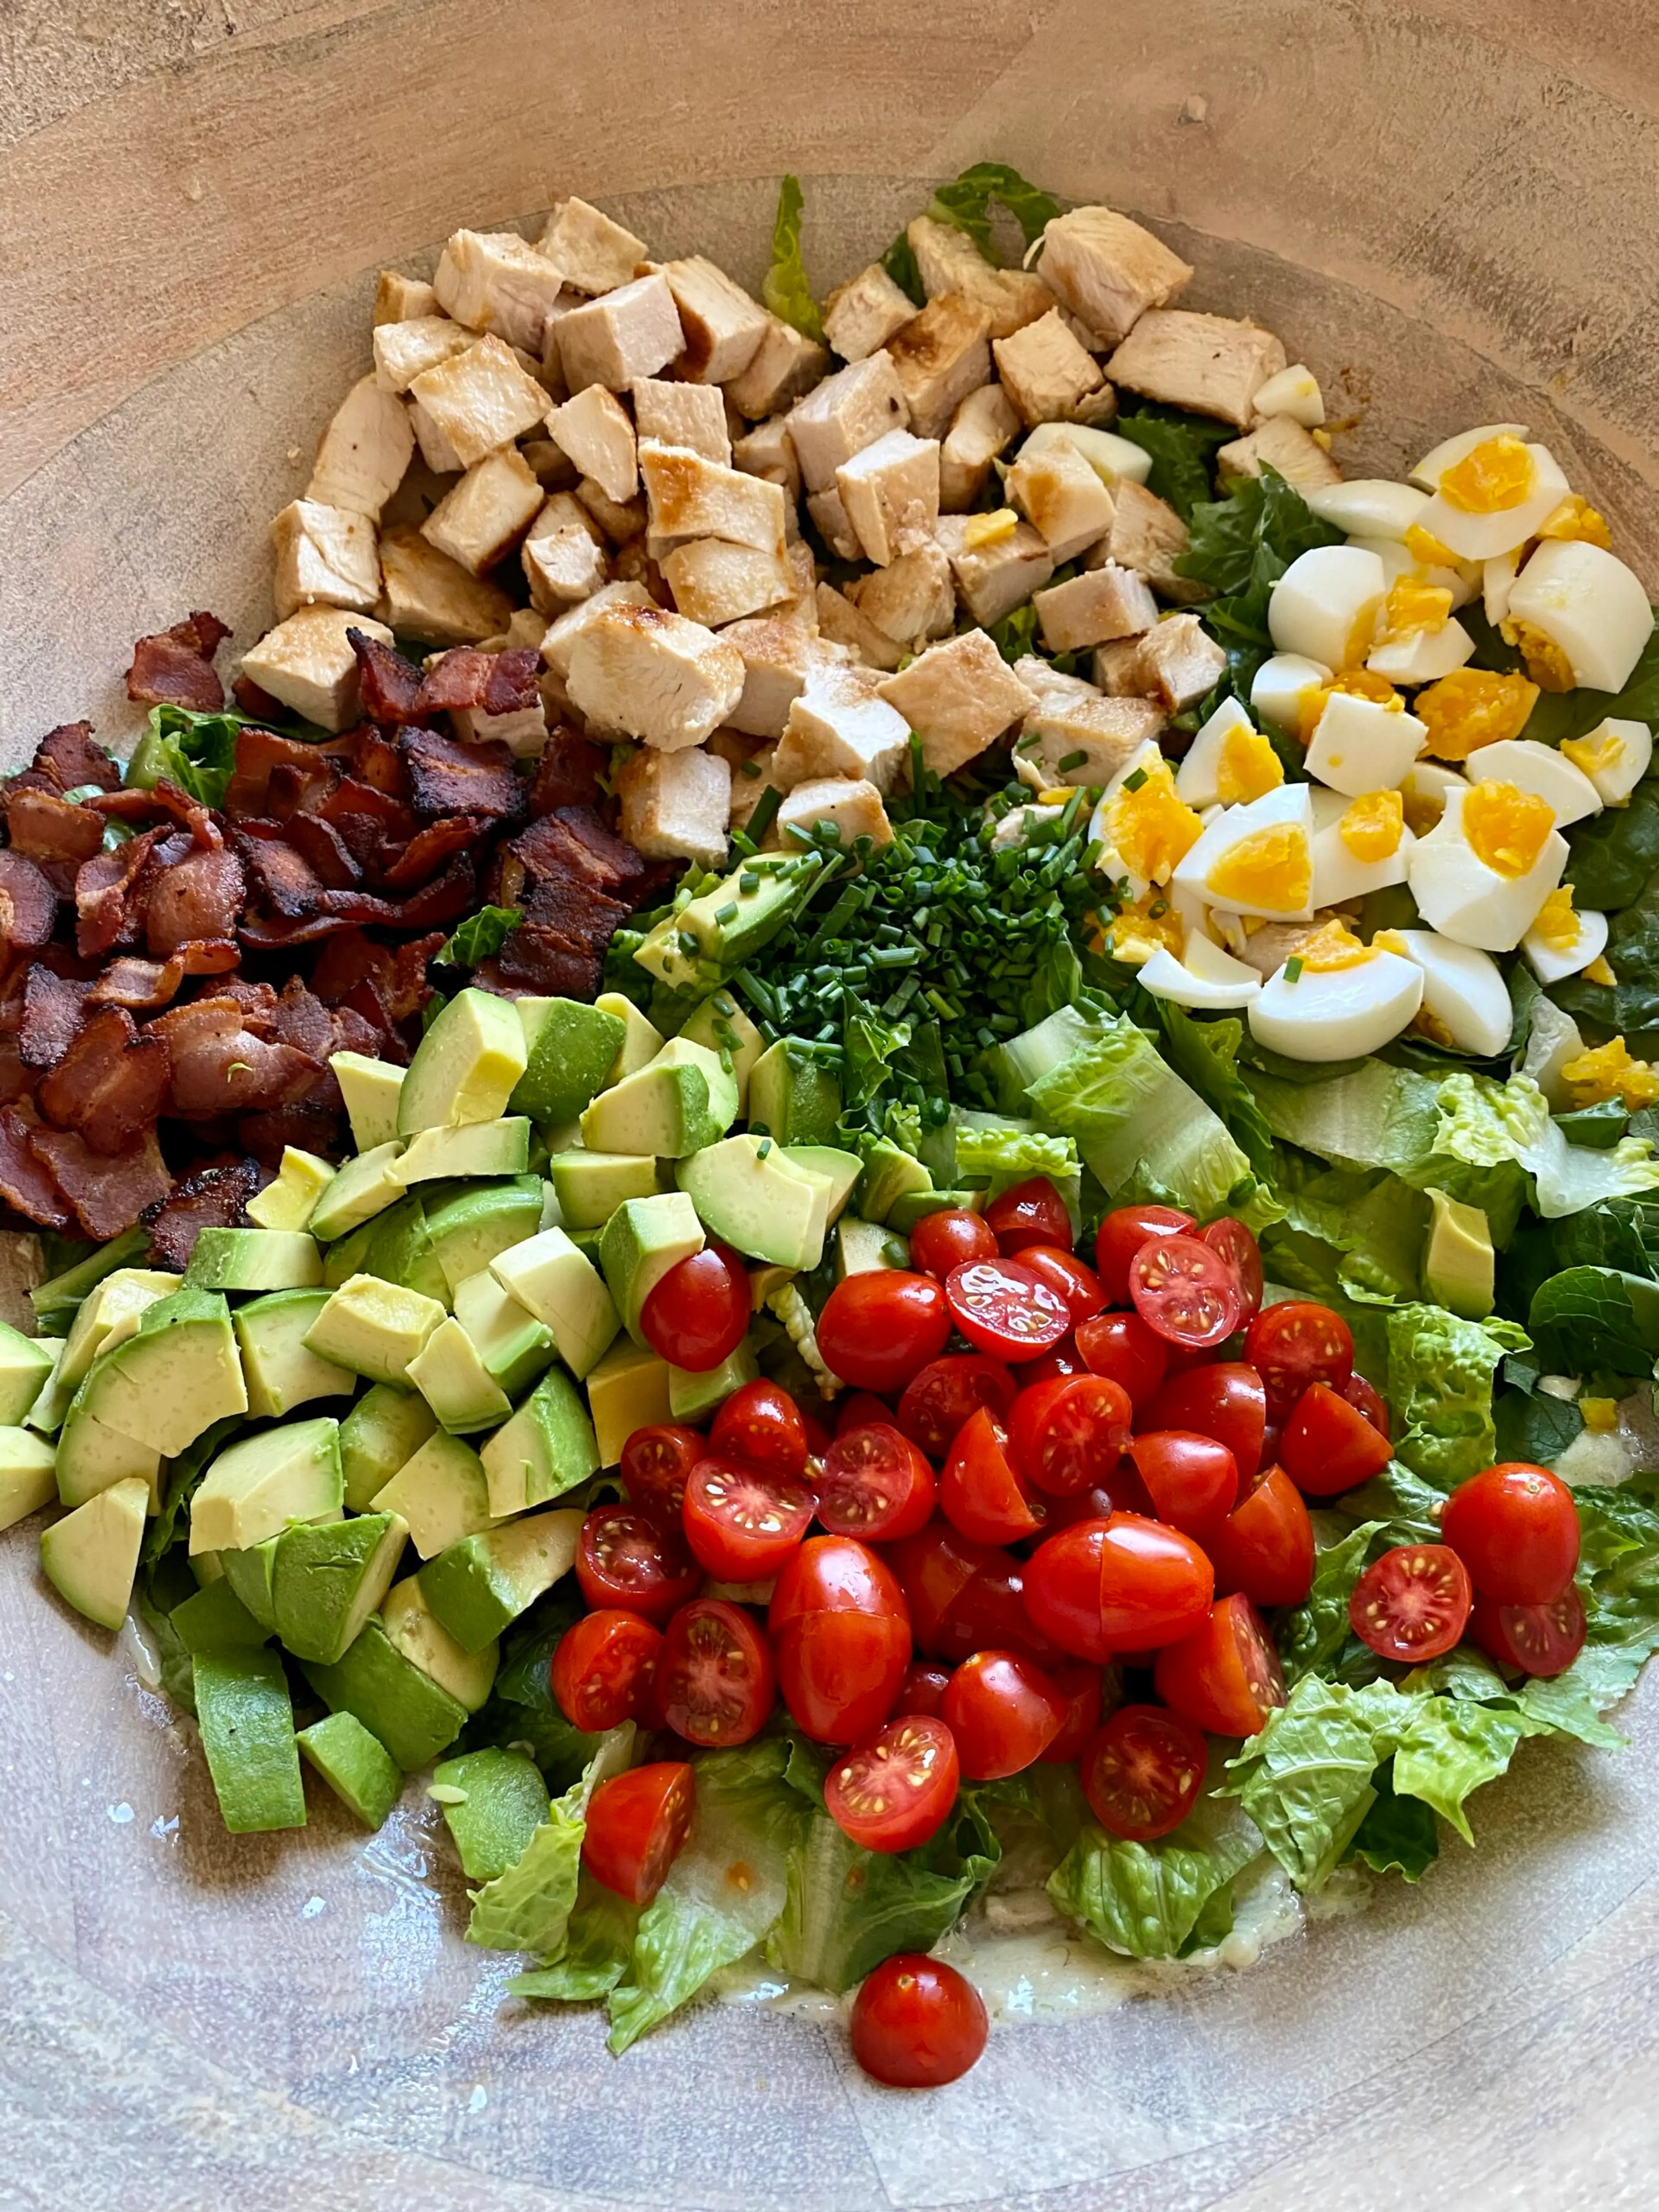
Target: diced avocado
x=691 y=1395
x=373 y=1328
x=546 y=1448
x=356 y=1766
x=110 y=1314
x=441 y=1492
x=215 y=1619
x=793 y=1096
x=642 y=1039
x=326 y=1581
x=480 y=1586
x=479 y=1148
x=628 y=1391
x=591 y=1186
x=467 y=1231
x=92 y=1456
x=720 y=1023
x=400 y=1250
x=288 y=1202
x=468 y=1676
x=251 y=1577
x=52 y=1402
x=912 y=1205
x=715 y=933
x=683 y=1100
x=383 y=1431
x=889 y=1173
x=561 y=1287
x=570 y=1051
x=349 y=1257
x=91 y=1556
x=254 y=1260
x=395 y=1700
x=843 y=1170
x=514 y=1347
x=256 y=1487
x=24 y=1368
x=642 y=1240
x=494 y=1801
x=449 y=1373
x=207 y=1570
x=177 y=1377
x=750 y=1194
x=358 y=1190
x=762 y=1281
x=58 y=1300
x=371 y=1088
x=465 y=1067
x=1459 y=1268
x=862 y=1247
x=27 y=1479
x=279 y=1369
x=247 y=1732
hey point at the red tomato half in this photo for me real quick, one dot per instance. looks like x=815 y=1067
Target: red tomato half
x=839 y=1672
x=1064 y=1272
x=698 y=1314
x=655 y=1462
x=922 y=1690
x=1121 y=1235
x=1366 y=1398
x=1083 y=1688
x=875 y=1485
x=949 y=1238
x=1054 y=1366
x=1226 y=1400
x=897 y=1790
x=1413 y=1603
x=965 y=1597
x=1004 y=1712
x=877 y=1330
x=1121 y=1346
x=1184 y=1292
x=834 y=1574
x=761 y=1424
x=715 y=1681
x=1539 y=1639
x=1122 y=1584
x=1032 y=1212
x=1233 y=1242
x=858 y=1409
x=1143 y=1773
x=917 y=2024
x=937 y=1401
x=1003 y=1308
x=1225 y=1675
x=1265 y=1547
x=1068 y=1435
x=604 y=1666
x=742 y=1522
x=1192 y=1481
x=1328 y=1446
x=637 y=1825
x=1295 y=1344
x=1516 y=1528
x=980 y=1491
x=626 y=1558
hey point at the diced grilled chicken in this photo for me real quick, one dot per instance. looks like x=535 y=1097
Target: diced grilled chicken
x=948 y=260
x=594 y=253
x=846 y=413
x=480 y=400
x=958 y=696
x=429 y=597
x=722 y=325
x=940 y=356
x=522 y=730
x=559 y=639
x=1283 y=444
x=495 y=282
x=620 y=336
x=404 y=350
x=802 y=582
x=994 y=576
x=622 y=520
x=554 y=470
x=563 y=557
x=913 y=599
x=687 y=496
x=767 y=451
x=1045 y=372
x=1209 y=364
x=403 y=299
x=830 y=519
x=1088 y=610
x=364 y=451
x=692 y=415
x=838 y=727
x=1074 y=734
x=325 y=556
x=307 y=662
x=436 y=451
x=643 y=672
x=479 y=521
x=785 y=364
x=676 y=805
x=1148 y=535
x=595 y=431
x=778 y=652
x=1108 y=269
x=890 y=493
x=842 y=623
x=1178 y=664
x=861 y=315
x=750 y=779
x=853 y=805
x=985 y=425
x=714 y=582
x=1058 y=492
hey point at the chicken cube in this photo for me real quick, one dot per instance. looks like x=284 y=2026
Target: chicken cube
x=838 y=727
x=1102 y=602
x=563 y=557
x=402 y=350
x=364 y=451
x=889 y=494
x=985 y=425
x=480 y=400
x=1108 y=269
x=554 y=469
x=1209 y=364
x=947 y=260
x=940 y=356
x=842 y=623
x=620 y=336
x=1148 y=535
x=436 y=451
x=997 y=574
x=861 y=315
x=785 y=364
x=769 y=450
x=750 y=781
x=1181 y=663
x=523 y=730
x=594 y=430
x=1075 y=734
x=325 y=556
x=722 y=325
x=403 y=299
x=714 y=583
x=497 y=282
x=595 y=254
x=849 y=804
x=622 y=520
x=559 y=639
x=307 y=662
x=802 y=602
x=677 y=806
x=1018 y=826
x=480 y=520
x=643 y=672
x=1059 y=492
x=1118 y=672
x=692 y=415
x=687 y=496
x=1283 y=444
x=778 y=653
x=958 y=696
x=913 y=599
x=849 y=412
x=1045 y=372
x=429 y=597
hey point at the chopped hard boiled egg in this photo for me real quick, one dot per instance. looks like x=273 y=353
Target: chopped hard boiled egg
x=1531 y=766
x=1205 y=977
x=1450 y=450
x=1497 y=577
x=1465 y=1002
x=1486 y=867
x=1362 y=744
x=1359 y=845
x=1257 y=858
x=1281 y=683
x=1471 y=707
x=1615 y=755
x=1229 y=761
x=1327 y=603
x=1368 y=506
x=1493 y=498
x=1611 y=1072
x=1294 y=392
x=1106 y=454
x=1423 y=791
x=1143 y=829
x=1562 y=941
x=1578 y=606
x=1422 y=656
x=1314 y=1008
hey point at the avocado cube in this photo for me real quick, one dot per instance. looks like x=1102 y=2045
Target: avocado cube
x=178 y=1375
x=371 y=1088
x=889 y=1173
x=465 y=1232
x=479 y=1587
x=251 y=1577
x=279 y=1369
x=440 y=1492
x=793 y=1096
x=562 y=1287
x=254 y=1260
x=326 y=1581
x=862 y=1247
x=750 y=1194
x=215 y=1620
x=91 y=1556
x=51 y=1401
x=546 y=1448
x=914 y=1206
x=27 y=1481
x=24 y=1368
x=480 y=1148
x=57 y=1301
x=288 y=1203
x=252 y=1490
x=692 y=1395
x=514 y=1347
x=385 y=1428
x=642 y=1240
x=469 y=1677
x=91 y=1456
x=494 y=1801
x=373 y=1328
x=720 y=1023
x=451 y=1376
x=396 y=1701
x=683 y=1099
x=465 y=1067
x=1459 y=1263
x=591 y=1186
x=570 y=1051
x=843 y=1168
x=400 y=1250
x=357 y=1191
x=641 y=1040
x=346 y=1258
x=628 y=1391
x=109 y=1313
x=723 y=927
x=247 y=1719
x=356 y=1766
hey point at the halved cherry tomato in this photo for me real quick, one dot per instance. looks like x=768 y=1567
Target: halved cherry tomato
x=637 y=1825
x=875 y=1485
x=1225 y=1675
x=1032 y=1212
x=1004 y=1307
x=877 y=1330
x=817 y=1436
x=1192 y=1481
x=937 y=1401
x=839 y=1672
x=1077 y=1283
x=1233 y=1242
x=990 y=1615
x=655 y=1462
x=698 y=1314
x=1265 y=1547
x=1004 y=1712
x=1516 y=1528
x=1539 y=1639
x=1121 y=1235
x=716 y=1683
x=1184 y=1292
x=626 y=1559
x=1366 y=1399
x=1121 y=1346
x=916 y=2023
x=761 y=1424
x=942 y=1240
x=1083 y=1688
x=965 y=1597
x=1143 y=1773
x=1100 y=1503
x=980 y=1491
x=922 y=1690
x=603 y=1668
x=897 y=1790
x=834 y=1574
x=1293 y=1345
x=742 y=1522
x=858 y=1409
x=1413 y=1603
x=1122 y=1584
x=1069 y=1435
x=1226 y=1400
x=1328 y=1446
x=1054 y=1366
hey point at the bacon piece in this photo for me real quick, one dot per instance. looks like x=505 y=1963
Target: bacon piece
x=25 y=1181
x=538 y=961
x=325 y=851
x=410 y=988
x=514 y=681
x=142 y=984
x=199 y=898
x=354 y=800
x=573 y=841
x=300 y=1018
x=311 y=1126
x=15 y=1079
x=457 y=679
x=54 y=1009
x=259 y=755
x=428 y=851
x=163 y=798
x=567 y=774
x=111 y=1082
x=350 y=959
x=446 y=898
x=68 y=758
x=256 y=701
x=390 y=685
x=28 y=904
x=281 y=875
x=175 y=667
x=43 y=826
x=377 y=761
x=103 y=893
x=211 y=1197
x=354 y=1032
x=267 y=933
x=449 y=778
x=220 y=1066
x=108 y=1192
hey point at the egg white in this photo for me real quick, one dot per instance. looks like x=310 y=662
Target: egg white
x=1586 y=601
x=1280 y=683
x=1291 y=803
x=1339 y=875
x=1337 y=1013
x=1457 y=894
x=1359 y=744
x=1322 y=604
x=1567 y=791
x=1552 y=962
x=1463 y=988
x=1205 y=977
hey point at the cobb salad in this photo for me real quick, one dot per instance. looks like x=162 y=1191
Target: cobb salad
x=1011 y=1204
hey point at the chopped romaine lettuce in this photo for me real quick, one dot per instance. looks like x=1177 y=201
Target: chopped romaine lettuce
x=1158 y=1900
x=784 y=287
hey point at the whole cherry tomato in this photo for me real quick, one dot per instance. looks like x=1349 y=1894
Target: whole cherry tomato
x=1083 y=1688
x=1413 y=1603
x=942 y=1240
x=1063 y=1272
x=1068 y=1435
x=637 y=1827
x=1121 y=1235
x=655 y=1462
x=698 y=1314
x=1143 y=1773
x=875 y=1485
x=1539 y=1639
x=898 y=1789
x=1032 y=1212
x=1225 y=1674
x=716 y=1680
x=1293 y=1345
x=1192 y=1481
x=1121 y=1346
x=1516 y=1528
x=922 y=1690
x=939 y=1401
x=834 y=1574
x=839 y=1672
x=980 y=1491
x=742 y=1521
x=1004 y=1712
x=1184 y=1292
x=1265 y=1547
x=1328 y=1446
x=604 y=1667
x=761 y=1424
x=1226 y=1400
x=877 y=1330
x=626 y=1558
x=916 y=2023
x=1004 y=1309
x=1122 y=1584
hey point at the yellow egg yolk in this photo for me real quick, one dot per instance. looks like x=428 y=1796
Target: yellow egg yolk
x=1576 y=518
x=1547 y=666
x=1556 y=922
x=1152 y=829
x=1371 y=827
x=1362 y=637
x=1594 y=755
x=1471 y=707
x=1249 y=768
x=1611 y=1072
x=991 y=529
x=1415 y=604
x=1492 y=476
x=1600 y=1415
x=1136 y=934
x=1426 y=549
x=1506 y=827
x=1271 y=868
x=1359 y=683
x=1600 y=972
x=1332 y=946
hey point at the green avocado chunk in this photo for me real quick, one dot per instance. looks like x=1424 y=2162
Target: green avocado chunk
x=246 y=1718
x=562 y=1288
x=469 y=1677
x=28 y=1476
x=692 y=1393
x=280 y=1369
x=466 y=1065
x=547 y=1447
x=261 y=1483
x=684 y=1099
x=503 y=1801
x=720 y=1023
x=326 y=1581
x=91 y=1556
x=405 y=1708
x=792 y=1096
x=480 y=1586
x=215 y=1620
x=516 y=1347
x=177 y=1375
x=374 y=1327
x=480 y=1148
x=591 y=1186
x=370 y=1089
x=385 y=1428
x=356 y=1766
x=750 y=1193
x=642 y=1240
x=570 y=1049
x=441 y=1492
x=465 y=1232
x=254 y=1260
x=288 y=1202
x=24 y=1367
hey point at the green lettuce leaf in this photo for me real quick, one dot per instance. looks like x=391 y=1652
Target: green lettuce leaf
x=1015 y=634
x=1373 y=1227
x=1619 y=1581
x=1631 y=1006
x=522 y=1712
x=480 y=937
x=989 y=1150
x=528 y=1907
x=197 y=753
x=1597 y=1317
x=870 y=1047
x=784 y=287
x=967 y=202
x=1158 y=1900
x=1485 y=1124
x=1306 y=1780
x=1533 y=1424
x=1614 y=854
x=900 y=262
x=599 y=1945
x=1205 y=1053
x=1398 y=1835
x=1310 y=1635
x=1183 y=448
x=1450 y=1746
x=1440 y=1379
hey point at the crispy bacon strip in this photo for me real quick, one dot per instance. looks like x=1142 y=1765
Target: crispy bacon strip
x=109 y=1085
x=175 y=667
x=54 y=1009
x=68 y=757
x=450 y=778
x=390 y=685
x=163 y=798
x=142 y=984
x=567 y=774
x=198 y=899
x=220 y=1066
x=213 y=1197
x=44 y=827
x=428 y=851
x=320 y=845
x=107 y=1193
x=25 y=1181
x=259 y=755
x=28 y=904
x=103 y=886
